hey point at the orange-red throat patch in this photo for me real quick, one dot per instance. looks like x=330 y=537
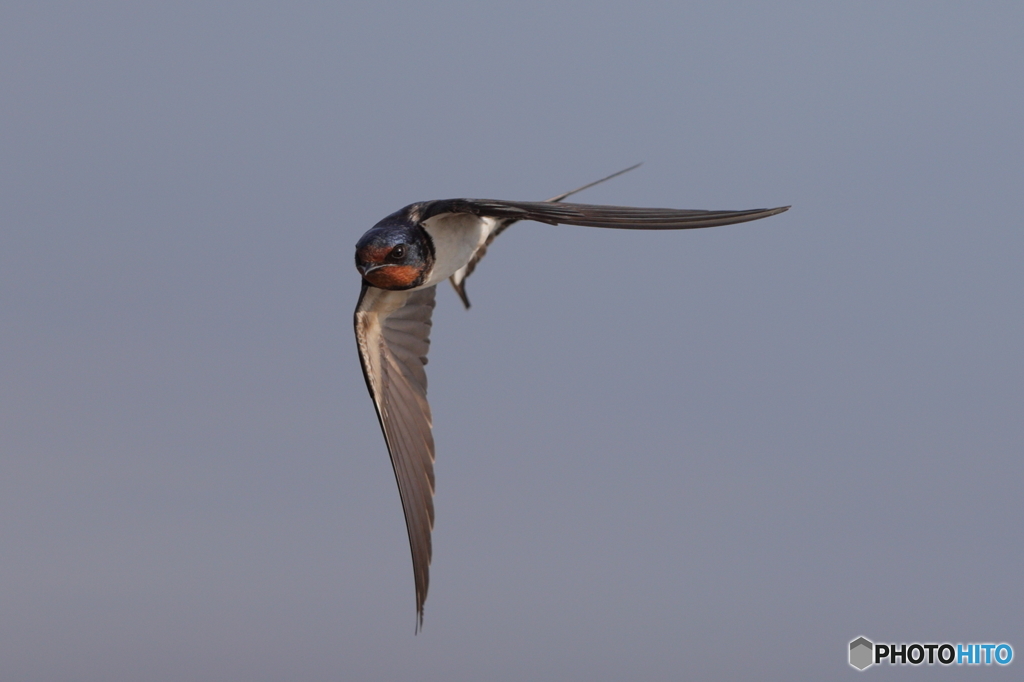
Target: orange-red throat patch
x=393 y=276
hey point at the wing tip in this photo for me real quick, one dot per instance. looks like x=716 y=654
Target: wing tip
x=768 y=212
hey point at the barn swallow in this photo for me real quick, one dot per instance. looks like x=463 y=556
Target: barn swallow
x=402 y=259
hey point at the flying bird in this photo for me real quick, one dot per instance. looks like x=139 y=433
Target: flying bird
x=402 y=259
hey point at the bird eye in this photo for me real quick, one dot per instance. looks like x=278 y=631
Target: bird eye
x=397 y=253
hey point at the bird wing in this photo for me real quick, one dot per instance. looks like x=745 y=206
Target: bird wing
x=554 y=212
x=458 y=279
x=393 y=334
x=592 y=215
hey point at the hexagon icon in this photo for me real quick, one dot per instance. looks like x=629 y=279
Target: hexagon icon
x=861 y=650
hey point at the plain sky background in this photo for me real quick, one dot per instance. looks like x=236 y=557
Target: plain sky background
x=715 y=454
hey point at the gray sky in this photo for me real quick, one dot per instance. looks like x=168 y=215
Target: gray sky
x=719 y=453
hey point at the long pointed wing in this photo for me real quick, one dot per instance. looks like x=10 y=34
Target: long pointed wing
x=458 y=279
x=592 y=215
x=393 y=334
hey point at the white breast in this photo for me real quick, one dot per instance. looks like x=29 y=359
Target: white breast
x=456 y=237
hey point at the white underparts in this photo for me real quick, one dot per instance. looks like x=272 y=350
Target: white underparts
x=456 y=238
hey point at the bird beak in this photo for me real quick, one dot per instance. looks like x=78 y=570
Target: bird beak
x=364 y=270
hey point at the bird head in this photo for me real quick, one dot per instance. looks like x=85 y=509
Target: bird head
x=395 y=256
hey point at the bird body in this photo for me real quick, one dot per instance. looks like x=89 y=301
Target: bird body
x=456 y=237
x=402 y=259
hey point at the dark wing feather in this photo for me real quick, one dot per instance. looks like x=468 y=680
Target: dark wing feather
x=592 y=215
x=393 y=334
